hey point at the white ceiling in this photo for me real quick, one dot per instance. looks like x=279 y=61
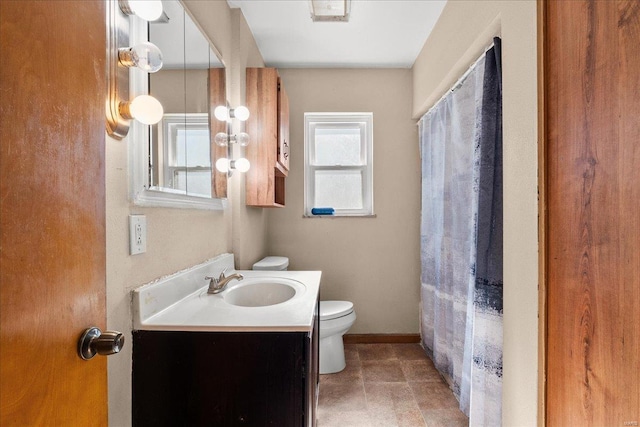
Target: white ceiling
x=380 y=33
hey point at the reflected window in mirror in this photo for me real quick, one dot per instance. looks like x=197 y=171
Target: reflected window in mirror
x=183 y=158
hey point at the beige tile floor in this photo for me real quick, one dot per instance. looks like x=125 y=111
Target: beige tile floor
x=387 y=385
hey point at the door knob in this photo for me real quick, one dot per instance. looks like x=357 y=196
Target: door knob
x=93 y=341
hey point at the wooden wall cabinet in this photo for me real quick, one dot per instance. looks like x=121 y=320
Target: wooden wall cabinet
x=225 y=378
x=268 y=128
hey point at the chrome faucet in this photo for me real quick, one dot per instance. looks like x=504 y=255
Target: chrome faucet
x=217 y=285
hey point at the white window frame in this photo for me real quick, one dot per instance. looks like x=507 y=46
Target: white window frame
x=167 y=163
x=365 y=122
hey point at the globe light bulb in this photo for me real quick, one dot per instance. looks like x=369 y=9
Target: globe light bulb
x=145 y=56
x=222 y=165
x=242 y=165
x=221 y=139
x=242 y=139
x=149 y=10
x=222 y=113
x=144 y=108
x=241 y=113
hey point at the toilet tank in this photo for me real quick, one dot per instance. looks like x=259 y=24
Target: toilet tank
x=273 y=263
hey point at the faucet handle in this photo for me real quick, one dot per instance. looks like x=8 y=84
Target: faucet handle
x=211 y=280
x=222 y=276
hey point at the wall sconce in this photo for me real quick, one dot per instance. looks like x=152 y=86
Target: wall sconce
x=145 y=56
x=227 y=164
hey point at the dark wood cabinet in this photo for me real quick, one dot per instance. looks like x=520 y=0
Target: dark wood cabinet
x=225 y=378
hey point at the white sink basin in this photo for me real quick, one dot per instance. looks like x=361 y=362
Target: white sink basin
x=264 y=301
x=261 y=292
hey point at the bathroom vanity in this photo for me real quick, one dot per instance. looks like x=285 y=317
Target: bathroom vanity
x=203 y=360
x=224 y=378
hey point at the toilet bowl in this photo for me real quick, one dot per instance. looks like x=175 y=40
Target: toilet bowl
x=336 y=317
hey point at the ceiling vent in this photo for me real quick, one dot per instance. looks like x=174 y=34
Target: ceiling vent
x=330 y=10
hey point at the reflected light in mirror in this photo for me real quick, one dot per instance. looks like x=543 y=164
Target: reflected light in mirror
x=240 y=113
x=221 y=139
x=149 y=10
x=144 y=108
x=242 y=139
x=241 y=165
x=222 y=113
x=222 y=165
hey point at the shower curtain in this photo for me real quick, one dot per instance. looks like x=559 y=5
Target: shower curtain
x=461 y=238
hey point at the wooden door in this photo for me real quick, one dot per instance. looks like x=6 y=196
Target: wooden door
x=52 y=195
x=592 y=88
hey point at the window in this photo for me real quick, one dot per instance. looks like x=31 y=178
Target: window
x=339 y=163
x=185 y=163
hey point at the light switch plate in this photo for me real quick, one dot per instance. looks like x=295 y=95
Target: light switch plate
x=137 y=234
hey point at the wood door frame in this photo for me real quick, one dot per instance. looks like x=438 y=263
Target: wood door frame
x=542 y=217
x=587 y=372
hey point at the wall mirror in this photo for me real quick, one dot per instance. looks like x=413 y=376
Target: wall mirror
x=177 y=154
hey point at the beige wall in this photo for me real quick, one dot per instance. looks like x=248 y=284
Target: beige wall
x=465 y=28
x=249 y=224
x=177 y=238
x=373 y=262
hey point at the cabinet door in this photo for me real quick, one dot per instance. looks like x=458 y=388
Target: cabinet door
x=283 y=130
x=264 y=182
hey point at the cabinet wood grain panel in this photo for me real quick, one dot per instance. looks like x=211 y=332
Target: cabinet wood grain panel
x=264 y=182
x=592 y=82
x=217 y=97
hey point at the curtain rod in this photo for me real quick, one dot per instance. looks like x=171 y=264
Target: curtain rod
x=458 y=82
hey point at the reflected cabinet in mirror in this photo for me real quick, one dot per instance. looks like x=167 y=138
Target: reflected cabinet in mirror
x=180 y=152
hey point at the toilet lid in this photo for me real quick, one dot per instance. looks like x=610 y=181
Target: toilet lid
x=334 y=309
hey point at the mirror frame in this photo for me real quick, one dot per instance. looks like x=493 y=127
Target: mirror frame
x=140 y=192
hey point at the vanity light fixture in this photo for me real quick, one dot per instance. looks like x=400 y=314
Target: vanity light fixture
x=224 y=113
x=149 y=10
x=223 y=140
x=225 y=165
x=228 y=164
x=144 y=108
x=146 y=56
x=241 y=113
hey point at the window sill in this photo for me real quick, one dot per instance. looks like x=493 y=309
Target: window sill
x=340 y=216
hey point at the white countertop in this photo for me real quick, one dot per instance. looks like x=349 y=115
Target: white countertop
x=160 y=306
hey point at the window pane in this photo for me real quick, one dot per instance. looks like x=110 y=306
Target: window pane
x=192 y=148
x=338 y=145
x=338 y=189
x=193 y=182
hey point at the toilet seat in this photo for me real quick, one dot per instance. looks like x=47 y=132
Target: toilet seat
x=335 y=309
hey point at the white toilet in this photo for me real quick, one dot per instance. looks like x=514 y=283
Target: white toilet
x=336 y=317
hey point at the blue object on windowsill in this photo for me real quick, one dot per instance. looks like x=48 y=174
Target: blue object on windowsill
x=322 y=211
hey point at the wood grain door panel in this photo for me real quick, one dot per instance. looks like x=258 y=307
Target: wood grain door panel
x=52 y=195
x=592 y=82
